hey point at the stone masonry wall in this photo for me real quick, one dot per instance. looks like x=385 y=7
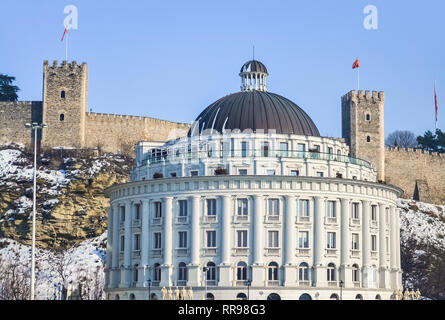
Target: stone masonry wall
x=404 y=166
x=118 y=133
x=13 y=116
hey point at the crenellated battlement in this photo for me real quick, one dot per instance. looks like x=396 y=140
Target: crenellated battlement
x=98 y=115
x=65 y=66
x=415 y=150
x=374 y=96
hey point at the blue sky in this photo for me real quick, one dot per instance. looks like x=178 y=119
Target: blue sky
x=171 y=59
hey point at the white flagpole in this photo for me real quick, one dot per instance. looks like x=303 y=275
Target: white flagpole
x=66 y=47
x=358 y=78
x=435 y=98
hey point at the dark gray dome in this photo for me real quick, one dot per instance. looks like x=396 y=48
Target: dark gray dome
x=255 y=110
x=253 y=66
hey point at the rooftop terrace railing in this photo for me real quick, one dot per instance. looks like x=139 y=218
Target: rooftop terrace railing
x=177 y=156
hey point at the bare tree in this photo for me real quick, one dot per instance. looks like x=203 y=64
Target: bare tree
x=14 y=279
x=401 y=138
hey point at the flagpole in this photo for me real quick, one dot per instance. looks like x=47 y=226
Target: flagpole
x=435 y=104
x=358 y=79
x=66 y=47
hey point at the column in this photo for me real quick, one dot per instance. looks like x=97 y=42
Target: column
x=166 y=267
x=145 y=247
x=289 y=242
x=383 y=270
x=398 y=263
x=193 y=268
x=393 y=248
x=345 y=267
x=115 y=247
x=366 y=239
x=258 y=242
x=126 y=270
x=319 y=243
x=108 y=269
x=224 y=267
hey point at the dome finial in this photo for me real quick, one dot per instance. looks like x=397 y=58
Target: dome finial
x=253 y=75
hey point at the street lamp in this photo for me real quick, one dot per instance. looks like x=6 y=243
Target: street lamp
x=34 y=126
x=248 y=283
x=149 y=289
x=341 y=289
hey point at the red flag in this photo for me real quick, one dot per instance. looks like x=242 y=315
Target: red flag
x=435 y=100
x=64 y=33
x=356 y=64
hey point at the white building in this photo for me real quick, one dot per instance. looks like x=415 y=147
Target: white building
x=254 y=202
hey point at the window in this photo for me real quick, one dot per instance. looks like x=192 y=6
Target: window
x=331 y=272
x=283 y=149
x=241 y=296
x=294 y=173
x=304 y=208
x=62 y=117
x=242 y=172
x=331 y=213
x=211 y=271
x=241 y=271
x=387 y=244
x=272 y=269
x=182 y=208
x=373 y=242
x=244 y=146
x=193 y=173
x=331 y=240
x=157 y=272
x=387 y=215
x=232 y=146
x=135 y=275
x=355 y=211
x=303 y=272
x=137 y=213
x=270 y=172
x=122 y=209
x=265 y=149
x=137 y=242
x=317 y=148
x=374 y=213
x=368 y=139
x=368 y=117
x=354 y=177
x=355 y=273
x=182 y=235
x=122 y=243
x=211 y=207
x=303 y=240
x=158 y=209
x=182 y=271
x=211 y=239
x=330 y=150
x=173 y=174
x=241 y=239
x=62 y=94
x=157 y=240
x=273 y=239
x=355 y=241
x=301 y=149
x=320 y=174
x=274 y=208
x=242 y=207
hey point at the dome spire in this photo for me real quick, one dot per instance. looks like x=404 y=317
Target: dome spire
x=253 y=75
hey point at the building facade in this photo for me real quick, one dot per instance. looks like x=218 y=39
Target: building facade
x=253 y=203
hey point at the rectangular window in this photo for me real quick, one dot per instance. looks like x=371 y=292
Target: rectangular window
x=193 y=173
x=283 y=149
x=122 y=210
x=373 y=242
x=182 y=208
x=244 y=146
x=387 y=215
x=274 y=209
x=320 y=174
x=355 y=212
x=241 y=239
x=265 y=149
x=232 y=147
x=331 y=240
x=374 y=213
x=173 y=174
x=304 y=208
x=137 y=209
x=242 y=172
x=273 y=239
x=182 y=235
x=387 y=245
x=157 y=240
x=211 y=239
x=331 y=209
x=355 y=241
x=122 y=243
x=211 y=207
x=294 y=173
x=303 y=239
x=301 y=149
x=137 y=242
x=158 y=209
x=270 y=172
x=242 y=207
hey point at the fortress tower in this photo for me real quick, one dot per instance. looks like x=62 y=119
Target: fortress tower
x=65 y=102
x=363 y=127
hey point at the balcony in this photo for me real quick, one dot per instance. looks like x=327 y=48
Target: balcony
x=210 y=219
x=356 y=284
x=272 y=283
x=374 y=254
x=273 y=251
x=137 y=223
x=354 y=222
x=332 y=283
x=181 y=252
x=330 y=220
x=241 y=251
x=181 y=283
x=241 y=219
x=273 y=218
x=156 y=253
x=182 y=220
x=240 y=283
x=304 y=283
x=209 y=251
x=331 y=252
x=303 y=251
x=355 y=253
x=303 y=219
x=157 y=221
x=211 y=282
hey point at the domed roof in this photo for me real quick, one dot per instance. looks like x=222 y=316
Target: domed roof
x=253 y=66
x=255 y=110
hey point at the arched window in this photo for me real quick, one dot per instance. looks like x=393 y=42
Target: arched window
x=355 y=273
x=273 y=296
x=305 y=296
x=132 y=297
x=182 y=272
x=241 y=296
x=211 y=271
x=117 y=297
x=368 y=117
x=62 y=94
x=62 y=117
x=378 y=297
x=368 y=139
x=241 y=271
x=303 y=272
x=157 y=272
x=272 y=271
x=210 y=296
x=154 y=296
x=358 y=297
x=135 y=273
x=334 y=296
x=331 y=272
